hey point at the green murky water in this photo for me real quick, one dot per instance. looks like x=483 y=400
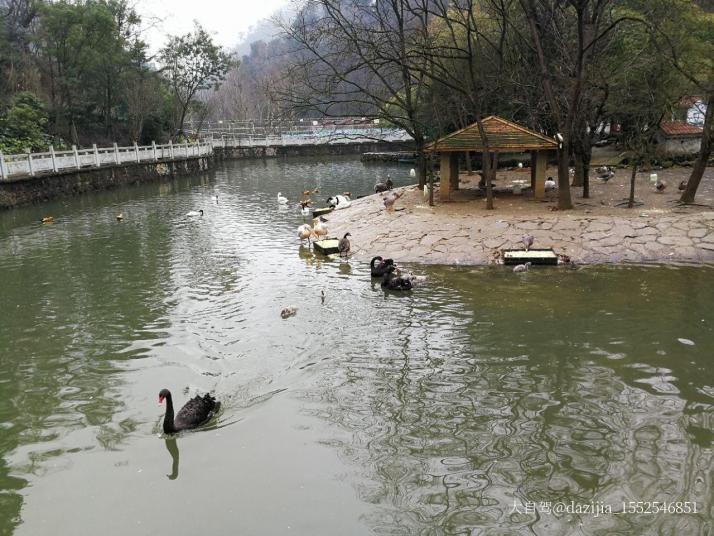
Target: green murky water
x=469 y=407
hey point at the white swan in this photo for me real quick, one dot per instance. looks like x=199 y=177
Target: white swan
x=194 y=213
x=412 y=172
x=282 y=199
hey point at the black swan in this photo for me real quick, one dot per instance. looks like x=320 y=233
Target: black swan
x=378 y=266
x=194 y=413
x=395 y=282
x=343 y=246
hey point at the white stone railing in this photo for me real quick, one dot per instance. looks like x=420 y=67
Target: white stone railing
x=31 y=164
x=327 y=137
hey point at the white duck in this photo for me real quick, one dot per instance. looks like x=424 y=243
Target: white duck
x=194 y=213
x=282 y=199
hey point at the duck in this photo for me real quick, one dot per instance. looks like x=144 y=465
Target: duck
x=522 y=267
x=607 y=175
x=660 y=186
x=550 y=184
x=320 y=229
x=47 y=219
x=287 y=312
x=120 y=216
x=392 y=281
x=304 y=208
x=316 y=191
x=194 y=213
x=384 y=186
x=338 y=202
x=305 y=232
x=527 y=241
x=282 y=199
x=343 y=246
x=390 y=200
x=379 y=266
x=682 y=185
x=194 y=413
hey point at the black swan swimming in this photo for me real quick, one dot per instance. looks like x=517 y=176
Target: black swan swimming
x=378 y=266
x=194 y=413
x=395 y=282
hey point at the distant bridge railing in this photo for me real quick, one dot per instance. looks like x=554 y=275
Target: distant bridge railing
x=323 y=137
x=31 y=164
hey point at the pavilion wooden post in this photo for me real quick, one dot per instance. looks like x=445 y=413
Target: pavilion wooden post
x=534 y=157
x=449 y=174
x=454 y=172
x=541 y=161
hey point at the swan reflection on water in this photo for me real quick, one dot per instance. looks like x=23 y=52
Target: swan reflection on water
x=172 y=447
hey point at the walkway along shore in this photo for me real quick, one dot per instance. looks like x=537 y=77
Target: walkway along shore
x=467 y=234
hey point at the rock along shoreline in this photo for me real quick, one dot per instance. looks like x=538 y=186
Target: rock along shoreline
x=467 y=234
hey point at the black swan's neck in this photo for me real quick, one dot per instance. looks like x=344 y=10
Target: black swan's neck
x=169 y=417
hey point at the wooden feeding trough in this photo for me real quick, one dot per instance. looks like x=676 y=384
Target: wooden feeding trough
x=328 y=246
x=321 y=211
x=534 y=256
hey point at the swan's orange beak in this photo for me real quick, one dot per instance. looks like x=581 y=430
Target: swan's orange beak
x=161 y=399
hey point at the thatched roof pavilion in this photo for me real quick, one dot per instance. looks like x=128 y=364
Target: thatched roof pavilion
x=501 y=136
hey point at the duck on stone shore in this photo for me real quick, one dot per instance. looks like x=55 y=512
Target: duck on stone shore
x=343 y=246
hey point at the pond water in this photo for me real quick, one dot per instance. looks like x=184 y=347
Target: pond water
x=471 y=406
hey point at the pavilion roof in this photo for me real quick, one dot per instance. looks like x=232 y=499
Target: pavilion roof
x=502 y=136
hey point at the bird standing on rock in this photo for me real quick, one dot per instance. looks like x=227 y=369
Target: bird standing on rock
x=607 y=175
x=390 y=200
x=320 y=229
x=527 y=241
x=343 y=246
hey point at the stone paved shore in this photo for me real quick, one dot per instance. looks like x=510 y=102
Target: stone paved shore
x=458 y=234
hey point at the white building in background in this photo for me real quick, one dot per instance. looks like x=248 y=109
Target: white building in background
x=692 y=110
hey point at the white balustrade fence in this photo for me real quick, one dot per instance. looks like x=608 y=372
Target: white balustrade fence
x=32 y=164
x=18 y=165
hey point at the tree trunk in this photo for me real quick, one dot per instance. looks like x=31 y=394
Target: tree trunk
x=488 y=174
x=631 y=200
x=431 y=179
x=421 y=167
x=587 y=158
x=564 y=200
x=704 y=153
x=578 y=177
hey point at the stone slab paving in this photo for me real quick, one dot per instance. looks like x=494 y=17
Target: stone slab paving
x=436 y=235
